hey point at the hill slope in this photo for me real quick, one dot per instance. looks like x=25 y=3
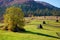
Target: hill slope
x=28 y=6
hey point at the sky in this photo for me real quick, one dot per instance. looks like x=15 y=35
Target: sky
x=52 y=2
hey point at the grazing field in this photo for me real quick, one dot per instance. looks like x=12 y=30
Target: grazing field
x=50 y=31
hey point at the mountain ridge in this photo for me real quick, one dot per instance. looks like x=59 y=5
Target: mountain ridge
x=26 y=5
x=11 y=2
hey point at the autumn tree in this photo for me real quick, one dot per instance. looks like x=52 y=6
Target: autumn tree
x=13 y=18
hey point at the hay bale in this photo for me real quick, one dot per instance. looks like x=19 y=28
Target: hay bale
x=40 y=26
x=44 y=22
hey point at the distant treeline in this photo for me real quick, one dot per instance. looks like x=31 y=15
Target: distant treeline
x=42 y=12
x=36 y=12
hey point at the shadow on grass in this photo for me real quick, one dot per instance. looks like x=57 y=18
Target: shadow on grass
x=40 y=34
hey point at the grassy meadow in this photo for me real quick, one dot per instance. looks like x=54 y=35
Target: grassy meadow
x=50 y=31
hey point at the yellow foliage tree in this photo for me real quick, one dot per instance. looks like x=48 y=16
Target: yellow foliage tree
x=12 y=17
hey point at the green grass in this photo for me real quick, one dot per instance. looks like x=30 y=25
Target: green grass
x=48 y=33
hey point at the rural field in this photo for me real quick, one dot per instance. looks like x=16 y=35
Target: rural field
x=50 y=31
x=29 y=20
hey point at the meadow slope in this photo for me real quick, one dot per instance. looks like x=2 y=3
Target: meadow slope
x=49 y=32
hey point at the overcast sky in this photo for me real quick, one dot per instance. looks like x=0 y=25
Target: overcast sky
x=53 y=2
